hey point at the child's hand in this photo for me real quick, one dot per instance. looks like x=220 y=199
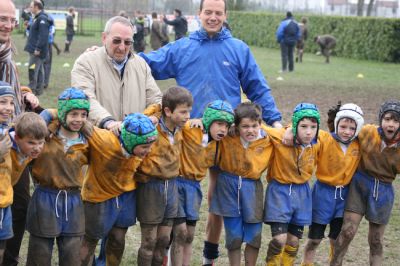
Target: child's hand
x=196 y=123
x=277 y=124
x=288 y=137
x=5 y=145
x=232 y=130
x=154 y=120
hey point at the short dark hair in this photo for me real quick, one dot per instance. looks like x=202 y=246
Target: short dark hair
x=249 y=110
x=39 y=4
x=393 y=115
x=174 y=96
x=289 y=14
x=202 y=1
x=30 y=125
x=154 y=15
x=178 y=11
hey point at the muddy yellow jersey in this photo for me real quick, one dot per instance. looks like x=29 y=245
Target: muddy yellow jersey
x=248 y=162
x=291 y=165
x=163 y=160
x=335 y=167
x=6 y=190
x=111 y=169
x=377 y=159
x=58 y=168
x=196 y=155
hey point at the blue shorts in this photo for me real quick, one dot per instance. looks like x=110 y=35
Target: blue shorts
x=288 y=203
x=327 y=202
x=235 y=196
x=237 y=231
x=157 y=200
x=6 y=230
x=370 y=197
x=53 y=213
x=190 y=197
x=115 y=212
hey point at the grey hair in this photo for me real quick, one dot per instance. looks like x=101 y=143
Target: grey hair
x=117 y=19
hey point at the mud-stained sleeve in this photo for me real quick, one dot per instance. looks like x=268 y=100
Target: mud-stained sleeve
x=153 y=110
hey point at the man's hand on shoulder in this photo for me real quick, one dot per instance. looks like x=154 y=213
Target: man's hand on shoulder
x=114 y=127
x=31 y=99
x=92 y=48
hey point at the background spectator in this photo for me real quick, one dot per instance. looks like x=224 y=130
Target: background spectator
x=180 y=24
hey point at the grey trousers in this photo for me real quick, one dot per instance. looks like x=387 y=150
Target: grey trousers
x=36 y=74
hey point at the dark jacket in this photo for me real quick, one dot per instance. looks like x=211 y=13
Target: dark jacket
x=69 y=28
x=180 y=26
x=39 y=35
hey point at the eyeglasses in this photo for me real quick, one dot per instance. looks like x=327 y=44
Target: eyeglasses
x=118 y=41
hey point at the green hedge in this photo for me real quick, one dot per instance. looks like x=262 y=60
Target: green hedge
x=357 y=37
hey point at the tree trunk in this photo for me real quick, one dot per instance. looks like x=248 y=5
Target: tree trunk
x=360 y=8
x=370 y=7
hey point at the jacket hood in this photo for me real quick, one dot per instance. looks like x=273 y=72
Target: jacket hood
x=202 y=35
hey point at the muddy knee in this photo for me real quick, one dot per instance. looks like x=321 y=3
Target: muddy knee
x=189 y=238
x=312 y=244
x=163 y=242
x=180 y=237
x=274 y=248
x=147 y=247
x=349 y=232
x=234 y=244
x=116 y=240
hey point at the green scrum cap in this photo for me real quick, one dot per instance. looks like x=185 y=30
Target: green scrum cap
x=70 y=99
x=137 y=129
x=304 y=110
x=217 y=111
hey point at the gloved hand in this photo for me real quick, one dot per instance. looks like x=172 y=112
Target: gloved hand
x=332 y=115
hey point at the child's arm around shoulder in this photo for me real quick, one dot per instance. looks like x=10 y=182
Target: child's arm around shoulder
x=49 y=115
x=153 y=111
x=5 y=146
x=276 y=134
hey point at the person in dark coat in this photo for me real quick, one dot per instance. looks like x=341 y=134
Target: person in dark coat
x=327 y=43
x=180 y=24
x=37 y=46
x=69 y=28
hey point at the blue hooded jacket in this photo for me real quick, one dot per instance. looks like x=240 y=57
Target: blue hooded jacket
x=288 y=31
x=214 y=69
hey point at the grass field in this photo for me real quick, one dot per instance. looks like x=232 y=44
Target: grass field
x=312 y=81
